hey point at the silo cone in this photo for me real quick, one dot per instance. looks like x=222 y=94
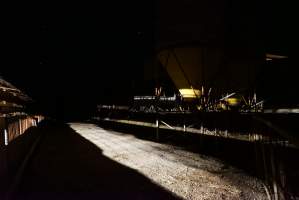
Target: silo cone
x=196 y=44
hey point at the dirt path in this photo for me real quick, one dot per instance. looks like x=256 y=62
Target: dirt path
x=188 y=175
x=67 y=166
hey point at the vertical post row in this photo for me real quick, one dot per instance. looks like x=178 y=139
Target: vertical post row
x=157 y=129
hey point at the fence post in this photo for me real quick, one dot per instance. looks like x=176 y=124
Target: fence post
x=274 y=177
x=3 y=151
x=157 y=129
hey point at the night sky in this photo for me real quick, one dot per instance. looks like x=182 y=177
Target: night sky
x=70 y=56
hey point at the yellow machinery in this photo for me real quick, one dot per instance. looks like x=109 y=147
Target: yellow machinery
x=196 y=52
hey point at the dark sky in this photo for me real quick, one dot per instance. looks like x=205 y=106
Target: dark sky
x=66 y=55
x=69 y=55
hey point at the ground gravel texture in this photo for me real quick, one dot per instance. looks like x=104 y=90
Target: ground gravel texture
x=186 y=174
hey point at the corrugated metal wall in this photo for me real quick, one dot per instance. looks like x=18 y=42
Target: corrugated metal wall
x=13 y=127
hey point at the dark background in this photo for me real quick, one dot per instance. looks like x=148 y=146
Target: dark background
x=68 y=57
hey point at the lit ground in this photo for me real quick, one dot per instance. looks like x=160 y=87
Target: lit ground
x=188 y=175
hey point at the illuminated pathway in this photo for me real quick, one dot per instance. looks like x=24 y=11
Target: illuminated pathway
x=188 y=175
x=64 y=165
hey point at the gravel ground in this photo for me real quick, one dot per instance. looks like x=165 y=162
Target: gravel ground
x=188 y=175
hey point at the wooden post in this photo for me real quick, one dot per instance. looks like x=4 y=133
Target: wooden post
x=282 y=176
x=3 y=149
x=20 y=126
x=274 y=178
x=216 y=137
x=6 y=137
x=157 y=129
x=266 y=176
x=184 y=126
x=201 y=135
x=257 y=163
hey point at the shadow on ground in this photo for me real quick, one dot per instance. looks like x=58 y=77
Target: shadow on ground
x=67 y=166
x=12 y=156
